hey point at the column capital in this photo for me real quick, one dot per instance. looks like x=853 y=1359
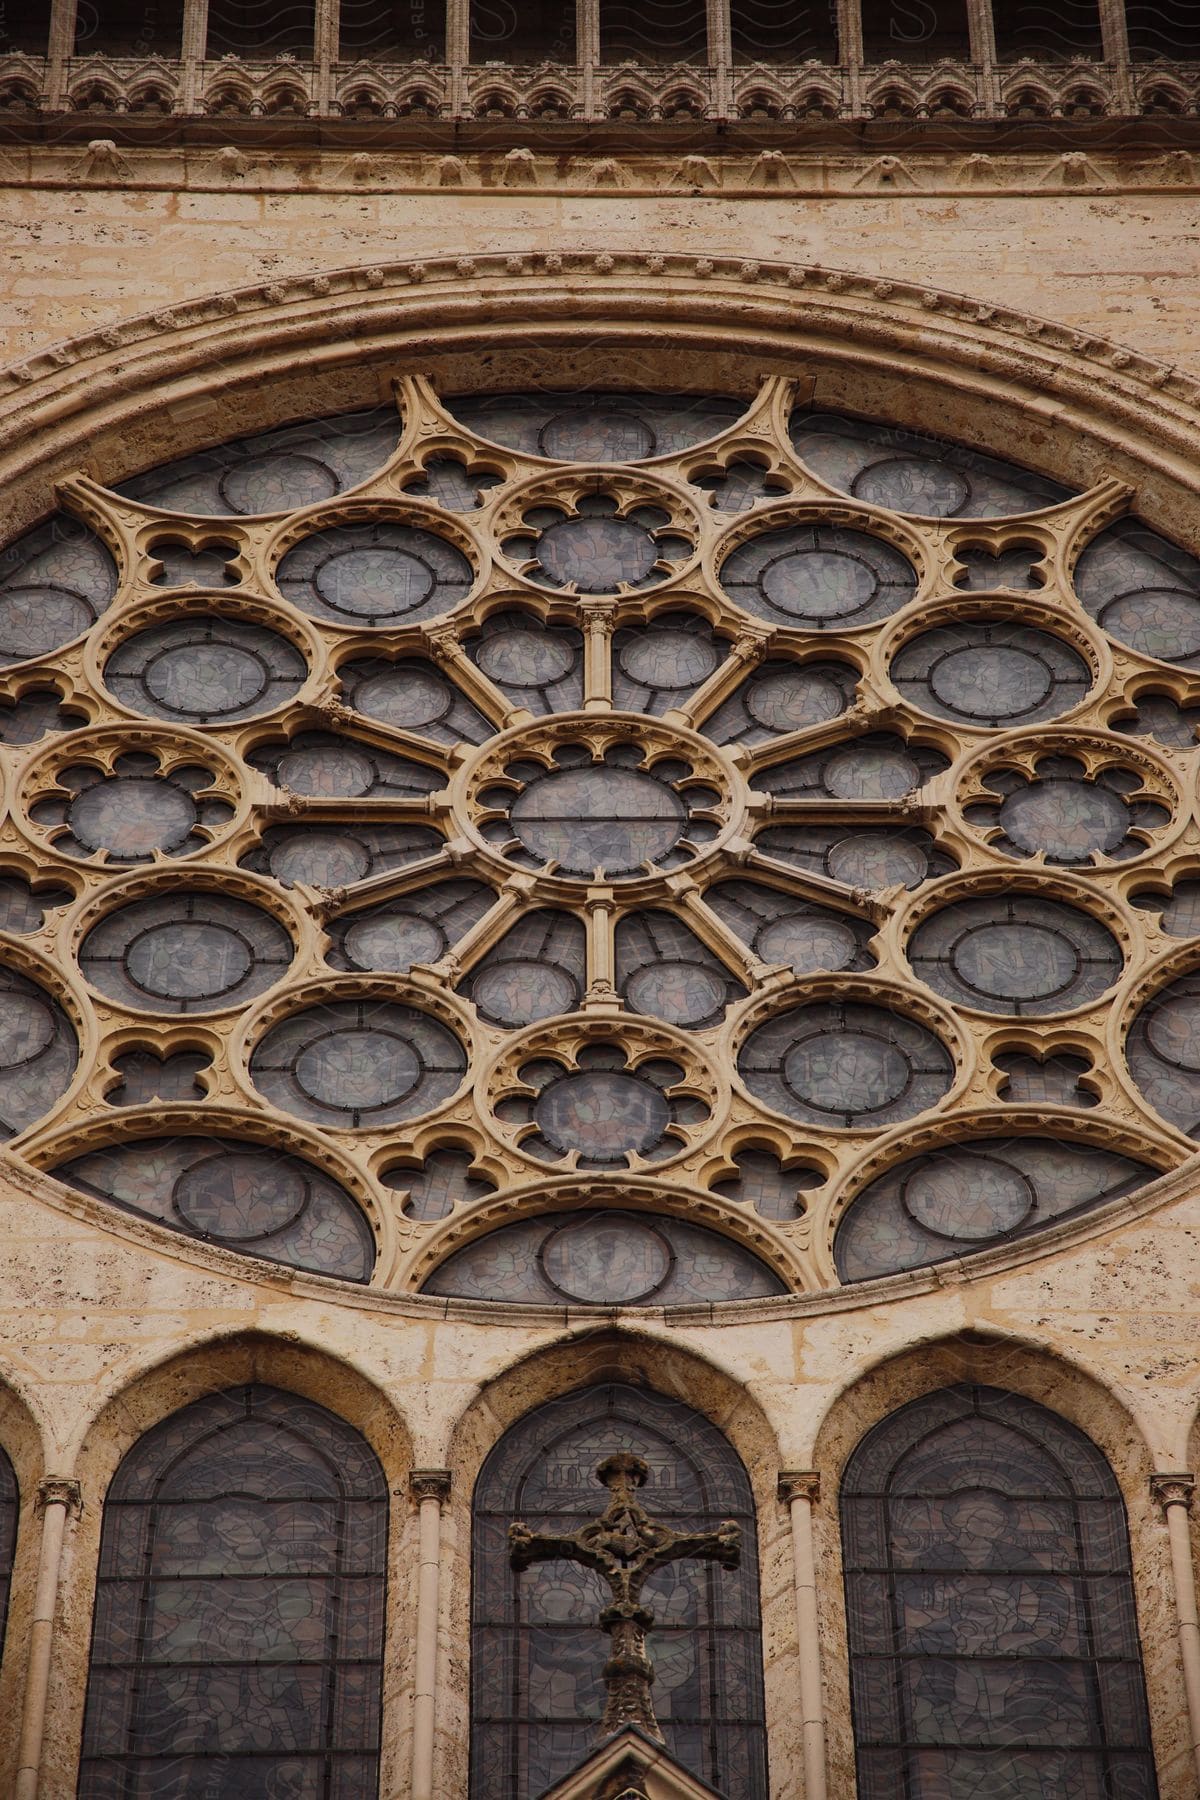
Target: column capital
x=429 y=1484
x=799 y=1484
x=1173 y=1489
x=60 y=1490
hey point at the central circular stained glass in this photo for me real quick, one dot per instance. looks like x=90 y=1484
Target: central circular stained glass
x=777 y=720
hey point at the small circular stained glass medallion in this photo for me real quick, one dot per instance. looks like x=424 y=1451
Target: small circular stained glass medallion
x=393 y=941
x=854 y=1073
x=610 y=1258
x=605 y=1114
x=874 y=860
x=132 y=817
x=599 y=817
x=789 y=699
x=990 y=673
x=1173 y=1030
x=522 y=658
x=519 y=991
x=1067 y=819
x=807 y=943
x=412 y=698
x=241 y=1196
x=968 y=1196
x=381 y=573
x=596 y=556
x=204 y=669
x=190 y=959
x=685 y=993
x=360 y=1070
x=668 y=659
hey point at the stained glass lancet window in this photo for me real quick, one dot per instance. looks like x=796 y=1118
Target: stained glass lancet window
x=993 y=1634
x=537 y=1650
x=238 y=1637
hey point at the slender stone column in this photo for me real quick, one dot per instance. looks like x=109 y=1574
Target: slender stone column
x=1174 y=1495
x=799 y=1490
x=58 y=1499
x=429 y=1488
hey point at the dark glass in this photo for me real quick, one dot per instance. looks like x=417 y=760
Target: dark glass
x=601 y=1111
x=658 y=666
x=418 y=927
x=537 y=31
x=186 y=951
x=665 y=970
x=1159 y=717
x=452 y=483
x=10 y=1507
x=391 y=30
x=537 y=1652
x=990 y=674
x=878 y=766
x=845 y=1064
x=868 y=857
x=990 y=1603
x=237 y=1646
x=966 y=1197
x=596 y=550
x=146 y=1078
x=1015 y=953
x=260 y=30
x=912 y=471
x=603 y=1259
x=762 y=31
x=38 y=1052
x=1144 y=590
x=673 y=31
x=894 y=30
x=596 y=427
x=207 y=670
x=818 y=577
x=615 y=816
x=350 y=1063
x=1048 y=30
x=780 y=697
x=54 y=583
x=326 y=765
x=1163 y=31
x=1067 y=815
x=538 y=970
x=763 y=1183
x=740 y=485
x=413 y=696
x=784 y=928
x=130 y=28
x=24 y=908
x=1179 y=913
x=334 y=856
x=377 y=575
x=534 y=665
x=244 y=1196
x=1054 y=1081
x=1019 y=567
x=25 y=28
x=1163 y=1052
x=37 y=713
x=442 y=1182
x=275 y=471
x=137 y=811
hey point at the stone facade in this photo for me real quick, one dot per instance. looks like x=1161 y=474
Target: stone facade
x=1034 y=298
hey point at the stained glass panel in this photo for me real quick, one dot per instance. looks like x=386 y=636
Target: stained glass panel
x=1144 y=590
x=538 y=970
x=534 y=665
x=54 y=582
x=38 y=1052
x=442 y=1182
x=818 y=577
x=912 y=471
x=993 y=1633
x=205 y=669
x=658 y=666
x=260 y=1201
x=858 y=856
x=365 y=1062
x=333 y=766
x=604 y=1259
x=784 y=928
x=238 y=1637
x=963 y=1197
x=537 y=1653
x=578 y=426
x=379 y=575
x=137 y=811
x=985 y=674
x=334 y=856
x=1163 y=1052
x=274 y=471
x=845 y=1064
x=1015 y=954
x=1066 y=814
x=413 y=696
x=665 y=970
x=185 y=952
x=780 y=697
x=879 y=766
x=418 y=927
x=24 y=908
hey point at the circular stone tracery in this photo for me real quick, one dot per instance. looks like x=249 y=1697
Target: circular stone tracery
x=358 y=1063
x=845 y=1065
x=1019 y=954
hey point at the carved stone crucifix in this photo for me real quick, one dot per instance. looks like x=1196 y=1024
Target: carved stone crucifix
x=625 y=1545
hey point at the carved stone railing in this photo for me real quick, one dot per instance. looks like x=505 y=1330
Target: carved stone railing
x=96 y=87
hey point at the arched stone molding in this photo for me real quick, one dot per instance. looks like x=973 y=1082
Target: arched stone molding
x=995 y=1360
x=588 y=1359
x=155 y=1393
x=147 y=387
x=27 y=1442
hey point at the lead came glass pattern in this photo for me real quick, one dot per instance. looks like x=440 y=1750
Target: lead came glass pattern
x=604 y=1259
x=537 y=1653
x=1163 y=1048
x=238 y=1635
x=993 y=1631
x=513 y=779
x=244 y=1196
x=38 y=1052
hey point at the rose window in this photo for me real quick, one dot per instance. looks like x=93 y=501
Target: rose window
x=598 y=848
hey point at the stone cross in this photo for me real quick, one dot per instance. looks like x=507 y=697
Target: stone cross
x=626 y=1546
